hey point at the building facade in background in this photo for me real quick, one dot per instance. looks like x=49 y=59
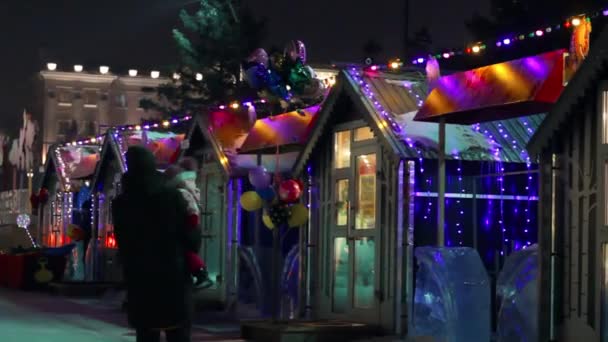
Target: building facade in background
x=79 y=104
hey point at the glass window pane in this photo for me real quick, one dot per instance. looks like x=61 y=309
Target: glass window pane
x=342 y=149
x=363 y=133
x=606 y=192
x=342 y=203
x=604 y=305
x=365 y=261
x=366 y=192
x=340 y=293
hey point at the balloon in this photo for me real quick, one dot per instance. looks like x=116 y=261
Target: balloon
x=251 y=201
x=289 y=191
x=259 y=56
x=313 y=91
x=267 y=221
x=267 y=194
x=276 y=86
x=279 y=214
x=299 y=215
x=300 y=183
x=277 y=62
x=299 y=77
x=296 y=50
x=259 y=177
x=255 y=75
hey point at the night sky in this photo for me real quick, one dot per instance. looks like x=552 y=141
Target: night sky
x=137 y=33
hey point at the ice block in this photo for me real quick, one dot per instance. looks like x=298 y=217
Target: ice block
x=517 y=290
x=452 y=295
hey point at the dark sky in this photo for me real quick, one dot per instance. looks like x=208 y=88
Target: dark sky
x=138 y=33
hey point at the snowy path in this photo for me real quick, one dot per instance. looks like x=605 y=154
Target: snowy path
x=35 y=317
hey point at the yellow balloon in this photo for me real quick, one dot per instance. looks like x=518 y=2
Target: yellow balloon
x=251 y=201
x=299 y=215
x=267 y=221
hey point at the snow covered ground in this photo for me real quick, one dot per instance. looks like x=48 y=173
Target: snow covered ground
x=35 y=317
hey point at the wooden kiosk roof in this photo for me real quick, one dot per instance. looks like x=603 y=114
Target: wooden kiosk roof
x=500 y=91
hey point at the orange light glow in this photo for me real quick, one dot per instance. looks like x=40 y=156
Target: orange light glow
x=110 y=241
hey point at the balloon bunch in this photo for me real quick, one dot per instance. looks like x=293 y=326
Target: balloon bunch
x=277 y=198
x=284 y=77
x=39 y=198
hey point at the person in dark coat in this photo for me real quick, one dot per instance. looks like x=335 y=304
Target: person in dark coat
x=149 y=223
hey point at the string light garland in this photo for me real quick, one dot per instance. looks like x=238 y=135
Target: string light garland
x=509 y=40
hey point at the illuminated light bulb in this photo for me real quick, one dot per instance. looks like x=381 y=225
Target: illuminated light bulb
x=420 y=60
x=476 y=49
x=234 y=105
x=374 y=67
x=176 y=76
x=576 y=22
x=78 y=68
x=499 y=44
x=394 y=65
x=199 y=77
x=446 y=55
x=222 y=107
x=51 y=66
x=104 y=69
x=132 y=72
x=605 y=13
x=155 y=74
x=539 y=33
x=138 y=128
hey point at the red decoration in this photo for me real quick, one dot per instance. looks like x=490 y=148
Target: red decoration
x=290 y=191
x=301 y=184
x=110 y=241
x=43 y=196
x=192 y=221
x=34 y=201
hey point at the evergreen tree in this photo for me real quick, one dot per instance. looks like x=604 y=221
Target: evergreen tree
x=420 y=43
x=211 y=44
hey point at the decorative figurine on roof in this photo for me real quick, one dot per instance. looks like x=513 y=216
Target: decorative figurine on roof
x=579 y=47
x=432 y=72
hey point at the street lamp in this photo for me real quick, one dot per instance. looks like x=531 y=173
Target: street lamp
x=104 y=69
x=30 y=176
x=51 y=66
x=155 y=74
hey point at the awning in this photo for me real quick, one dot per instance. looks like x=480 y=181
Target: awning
x=289 y=131
x=501 y=91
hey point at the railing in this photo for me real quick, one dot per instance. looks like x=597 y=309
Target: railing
x=13 y=203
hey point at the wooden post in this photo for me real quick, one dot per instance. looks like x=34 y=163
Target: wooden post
x=441 y=185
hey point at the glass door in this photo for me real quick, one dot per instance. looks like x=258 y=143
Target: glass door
x=354 y=231
x=212 y=221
